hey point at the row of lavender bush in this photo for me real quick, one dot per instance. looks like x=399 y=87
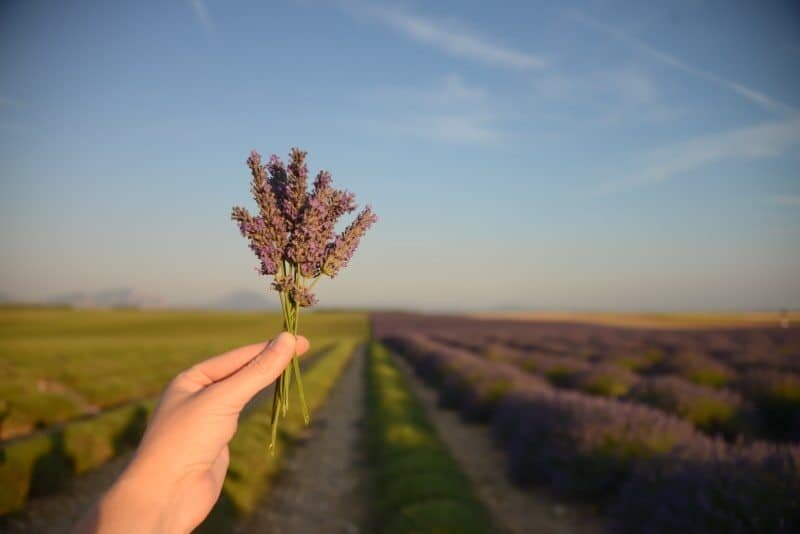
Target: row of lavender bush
x=734 y=349
x=760 y=402
x=713 y=410
x=654 y=472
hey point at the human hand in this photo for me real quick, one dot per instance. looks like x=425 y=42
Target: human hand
x=177 y=472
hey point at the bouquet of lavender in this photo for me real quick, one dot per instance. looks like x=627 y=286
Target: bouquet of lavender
x=295 y=240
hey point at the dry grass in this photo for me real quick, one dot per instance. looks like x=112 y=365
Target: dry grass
x=665 y=320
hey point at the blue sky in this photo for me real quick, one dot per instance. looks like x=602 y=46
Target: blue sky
x=593 y=155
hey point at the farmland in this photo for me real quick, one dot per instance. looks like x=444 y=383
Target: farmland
x=58 y=364
x=663 y=430
x=578 y=425
x=77 y=386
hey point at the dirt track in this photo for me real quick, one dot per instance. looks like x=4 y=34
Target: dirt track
x=514 y=509
x=321 y=489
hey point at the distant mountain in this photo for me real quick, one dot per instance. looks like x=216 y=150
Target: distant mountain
x=110 y=298
x=245 y=300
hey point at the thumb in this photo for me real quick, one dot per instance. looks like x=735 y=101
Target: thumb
x=260 y=372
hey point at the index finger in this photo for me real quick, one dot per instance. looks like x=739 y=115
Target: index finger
x=258 y=373
x=221 y=367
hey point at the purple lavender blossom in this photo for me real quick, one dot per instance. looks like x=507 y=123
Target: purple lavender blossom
x=776 y=395
x=293 y=236
x=713 y=487
x=295 y=228
x=652 y=471
x=340 y=251
x=709 y=409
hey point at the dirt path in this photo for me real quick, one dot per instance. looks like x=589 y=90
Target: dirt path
x=321 y=488
x=516 y=510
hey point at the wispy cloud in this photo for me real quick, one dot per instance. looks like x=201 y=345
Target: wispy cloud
x=454 y=88
x=606 y=97
x=742 y=90
x=451 y=90
x=764 y=140
x=449 y=110
x=468 y=129
x=446 y=36
x=448 y=128
x=785 y=200
x=202 y=15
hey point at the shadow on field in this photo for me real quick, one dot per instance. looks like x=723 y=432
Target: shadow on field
x=52 y=470
x=222 y=516
x=131 y=433
x=3 y=416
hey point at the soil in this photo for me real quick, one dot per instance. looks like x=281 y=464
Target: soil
x=515 y=510
x=322 y=486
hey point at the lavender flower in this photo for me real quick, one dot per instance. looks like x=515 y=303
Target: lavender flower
x=776 y=395
x=339 y=252
x=713 y=487
x=709 y=409
x=294 y=239
x=652 y=471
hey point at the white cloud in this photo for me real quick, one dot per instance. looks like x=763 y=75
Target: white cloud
x=748 y=93
x=454 y=89
x=785 y=200
x=459 y=129
x=448 y=128
x=449 y=110
x=448 y=37
x=763 y=140
x=626 y=84
x=201 y=14
x=451 y=90
x=631 y=85
x=607 y=97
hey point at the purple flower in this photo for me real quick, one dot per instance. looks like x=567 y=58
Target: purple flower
x=295 y=228
x=294 y=239
x=339 y=252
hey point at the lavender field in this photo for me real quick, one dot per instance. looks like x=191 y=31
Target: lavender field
x=662 y=430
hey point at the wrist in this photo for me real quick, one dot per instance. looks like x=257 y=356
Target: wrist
x=135 y=504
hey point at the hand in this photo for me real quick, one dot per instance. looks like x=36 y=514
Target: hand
x=177 y=472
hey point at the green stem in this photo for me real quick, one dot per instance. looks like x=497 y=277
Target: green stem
x=276 y=406
x=298 y=379
x=291 y=320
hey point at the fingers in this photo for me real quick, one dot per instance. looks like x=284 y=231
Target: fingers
x=260 y=372
x=221 y=367
x=302 y=346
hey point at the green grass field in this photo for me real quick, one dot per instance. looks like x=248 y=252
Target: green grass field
x=96 y=374
x=57 y=364
x=417 y=486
